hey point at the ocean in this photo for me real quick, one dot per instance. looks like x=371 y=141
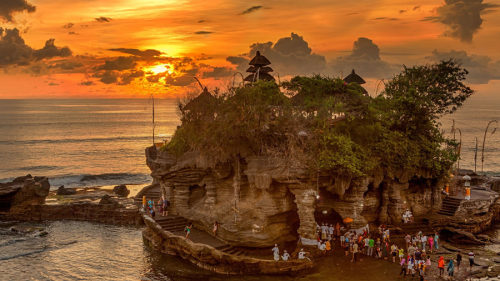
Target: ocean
x=97 y=142
x=79 y=143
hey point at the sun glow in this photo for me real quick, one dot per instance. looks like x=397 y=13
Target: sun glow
x=160 y=68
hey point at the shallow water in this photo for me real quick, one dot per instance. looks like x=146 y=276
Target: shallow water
x=88 y=251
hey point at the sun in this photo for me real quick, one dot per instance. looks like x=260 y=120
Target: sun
x=160 y=68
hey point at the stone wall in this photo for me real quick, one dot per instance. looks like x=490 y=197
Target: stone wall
x=109 y=214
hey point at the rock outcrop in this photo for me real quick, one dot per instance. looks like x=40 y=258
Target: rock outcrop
x=260 y=201
x=22 y=192
x=65 y=191
x=121 y=190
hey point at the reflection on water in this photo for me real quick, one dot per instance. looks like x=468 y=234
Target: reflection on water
x=87 y=251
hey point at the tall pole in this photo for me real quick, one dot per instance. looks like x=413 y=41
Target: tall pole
x=153 y=98
x=484 y=141
x=459 y=151
x=475 y=158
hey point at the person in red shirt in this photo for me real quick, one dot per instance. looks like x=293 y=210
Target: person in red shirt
x=441 y=265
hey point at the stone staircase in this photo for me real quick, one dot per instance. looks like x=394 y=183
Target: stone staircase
x=449 y=206
x=153 y=193
x=174 y=224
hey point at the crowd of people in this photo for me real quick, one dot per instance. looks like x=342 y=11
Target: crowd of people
x=413 y=256
x=152 y=207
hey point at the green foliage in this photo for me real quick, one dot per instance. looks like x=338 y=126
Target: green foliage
x=329 y=125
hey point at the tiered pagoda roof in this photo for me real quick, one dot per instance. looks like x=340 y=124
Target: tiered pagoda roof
x=354 y=78
x=258 y=69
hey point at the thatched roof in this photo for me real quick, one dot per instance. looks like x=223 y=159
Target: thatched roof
x=259 y=60
x=354 y=78
x=202 y=100
x=253 y=69
x=262 y=76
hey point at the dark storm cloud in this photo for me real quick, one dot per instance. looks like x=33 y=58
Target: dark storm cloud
x=481 y=69
x=288 y=56
x=251 y=10
x=365 y=59
x=128 y=77
x=68 y=25
x=67 y=65
x=103 y=19
x=150 y=53
x=13 y=49
x=201 y=21
x=119 y=63
x=203 y=32
x=9 y=7
x=219 y=72
x=402 y=11
x=108 y=77
x=50 y=51
x=463 y=17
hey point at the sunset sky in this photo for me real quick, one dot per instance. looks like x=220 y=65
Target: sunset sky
x=130 y=48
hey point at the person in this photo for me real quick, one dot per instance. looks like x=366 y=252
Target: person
x=166 y=204
x=408 y=240
x=427 y=264
x=441 y=265
x=331 y=230
x=187 y=229
x=459 y=260
x=328 y=246
x=152 y=212
x=346 y=245
x=302 y=255
x=394 y=252
x=424 y=241
x=324 y=230
x=401 y=254
x=354 y=252
x=411 y=250
x=285 y=256
x=337 y=229
x=411 y=264
x=436 y=241
x=342 y=240
x=367 y=245
x=450 y=268
x=216 y=227
x=431 y=242
x=276 y=252
x=322 y=247
x=371 y=244
x=160 y=206
x=471 y=260
x=402 y=263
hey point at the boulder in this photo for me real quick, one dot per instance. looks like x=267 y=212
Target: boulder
x=121 y=190
x=22 y=192
x=65 y=191
x=108 y=200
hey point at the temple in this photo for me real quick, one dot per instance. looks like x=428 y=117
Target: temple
x=259 y=69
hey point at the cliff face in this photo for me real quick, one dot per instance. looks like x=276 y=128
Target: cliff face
x=261 y=201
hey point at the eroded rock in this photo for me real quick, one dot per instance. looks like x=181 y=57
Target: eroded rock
x=121 y=190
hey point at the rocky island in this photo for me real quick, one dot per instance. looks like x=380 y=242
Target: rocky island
x=270 y=162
